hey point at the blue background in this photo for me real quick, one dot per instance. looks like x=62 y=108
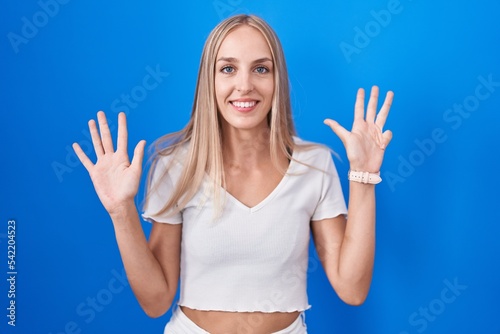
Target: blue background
x=438 y=217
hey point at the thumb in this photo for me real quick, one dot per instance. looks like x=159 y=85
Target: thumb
x=338 y=129
x=386 y=136
x=138 y=154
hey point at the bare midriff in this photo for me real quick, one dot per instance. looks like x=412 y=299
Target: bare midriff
x=220 y=322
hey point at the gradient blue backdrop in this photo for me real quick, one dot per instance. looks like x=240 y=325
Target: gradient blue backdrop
x=437 y=252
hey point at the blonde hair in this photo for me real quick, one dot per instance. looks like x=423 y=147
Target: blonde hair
x=202 y=135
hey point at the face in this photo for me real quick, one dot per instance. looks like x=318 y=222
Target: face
x=244 y=80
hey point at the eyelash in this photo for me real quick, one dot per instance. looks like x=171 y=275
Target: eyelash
x=231 y=67
x=226 y=67
x=265 y=68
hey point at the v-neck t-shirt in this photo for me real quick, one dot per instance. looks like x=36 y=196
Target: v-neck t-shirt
x=250 y=259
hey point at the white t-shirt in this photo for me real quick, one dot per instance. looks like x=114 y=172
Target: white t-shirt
x=251 y=259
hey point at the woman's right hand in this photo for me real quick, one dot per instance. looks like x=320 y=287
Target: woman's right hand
x=116 y=179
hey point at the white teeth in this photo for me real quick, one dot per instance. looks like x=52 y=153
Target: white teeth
x=244 y=104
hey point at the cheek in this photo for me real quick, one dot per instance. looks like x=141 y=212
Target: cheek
x=268 y=84
x=268 y=89
x=222 y=90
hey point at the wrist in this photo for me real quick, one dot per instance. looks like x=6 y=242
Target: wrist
x=363 y=168
x=364 y=177
x=122 y=210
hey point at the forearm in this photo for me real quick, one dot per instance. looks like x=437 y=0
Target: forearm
x=353 y=245
x=358 y=246
x=143 y=269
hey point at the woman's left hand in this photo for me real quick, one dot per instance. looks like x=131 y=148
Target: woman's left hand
x=366 y=142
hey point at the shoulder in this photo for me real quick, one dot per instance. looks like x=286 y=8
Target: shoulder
x=171 y=158
x=312 y=153
x=175 y=153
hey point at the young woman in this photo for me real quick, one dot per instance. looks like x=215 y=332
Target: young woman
x=234 y=195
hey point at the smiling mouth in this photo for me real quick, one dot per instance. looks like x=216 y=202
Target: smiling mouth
x=244 y=105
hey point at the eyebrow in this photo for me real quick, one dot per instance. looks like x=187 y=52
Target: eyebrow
x=234 y=60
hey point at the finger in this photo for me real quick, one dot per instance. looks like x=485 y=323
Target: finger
x=96 y=138
x=387 y=137
x=359 y=106
x=371 y=111
x=138 y=154
x=339 y=130
x=378 y=136
x=84 y=159
x=384 y=111
x=107 y=141
x=122 y=133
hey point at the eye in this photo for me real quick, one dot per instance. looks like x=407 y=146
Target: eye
x=227 y=69
x=261 y=70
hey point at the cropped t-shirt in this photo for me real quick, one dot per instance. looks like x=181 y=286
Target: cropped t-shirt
x=250 y=258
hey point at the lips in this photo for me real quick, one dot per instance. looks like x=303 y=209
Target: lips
x=244 y=105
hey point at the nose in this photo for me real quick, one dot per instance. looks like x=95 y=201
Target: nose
x=244 y=83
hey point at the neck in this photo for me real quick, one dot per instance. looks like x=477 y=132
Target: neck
x=249 y=148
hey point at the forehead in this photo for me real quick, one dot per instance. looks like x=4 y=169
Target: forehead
x=243 y=43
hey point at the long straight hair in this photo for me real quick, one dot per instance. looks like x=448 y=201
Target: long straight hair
x=202 y=135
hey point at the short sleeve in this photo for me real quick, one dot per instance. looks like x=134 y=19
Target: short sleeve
x=332 y=202
x=158 y=193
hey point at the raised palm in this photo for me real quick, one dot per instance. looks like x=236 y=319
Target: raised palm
x=366 y=142
x=116 y=179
